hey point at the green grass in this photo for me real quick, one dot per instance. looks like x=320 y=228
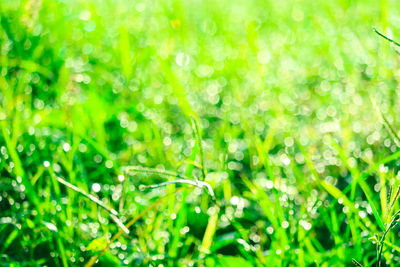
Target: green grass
x=199 y=133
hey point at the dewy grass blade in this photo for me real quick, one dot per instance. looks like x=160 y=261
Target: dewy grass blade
x=368 y=194
x=393 y=223
x=385 y=122
x=392 y=201
x=94 y=258
x=149 y=171
x=180 y=179
x=18 y=167
x=222 y=97
x=113 y=212
x=386 y=38
x=338 y=194
x=376 y=165
x=199 y=184
x=197 y=134
x=356 y=263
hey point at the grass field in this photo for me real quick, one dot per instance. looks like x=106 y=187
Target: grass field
x=199 y=133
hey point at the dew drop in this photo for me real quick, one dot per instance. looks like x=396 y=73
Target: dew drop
x=96 y=187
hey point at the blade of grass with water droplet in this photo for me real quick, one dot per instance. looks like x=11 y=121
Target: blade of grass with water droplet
x=94 y=258
x=197 y=134
x=18 y=167
x=338 y=194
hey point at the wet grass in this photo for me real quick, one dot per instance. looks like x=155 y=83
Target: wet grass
x=199 y=133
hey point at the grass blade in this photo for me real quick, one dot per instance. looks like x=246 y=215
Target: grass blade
x=386 y=38
x=113 y=212
x=197 y=135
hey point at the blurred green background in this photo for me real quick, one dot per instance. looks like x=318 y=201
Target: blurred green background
x=297 y=155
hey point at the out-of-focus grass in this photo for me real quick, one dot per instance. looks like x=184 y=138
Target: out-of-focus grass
x=298 y=158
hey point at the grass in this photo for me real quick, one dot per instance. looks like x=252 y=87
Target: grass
x=199 y=133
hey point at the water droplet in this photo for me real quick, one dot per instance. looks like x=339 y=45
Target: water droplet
x=197 y=209
x=234 y=200
x=109 y=164
x=182 y=59
x=270 y=230
x=96 y=187
x=66 y=147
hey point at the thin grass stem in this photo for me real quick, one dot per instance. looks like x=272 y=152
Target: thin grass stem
x=94 y=258
x=199 y=184
x=113 y=212
x=393 y=223
x=386 y=38
x=356 y=263
x=196 y=130
x=149 y=171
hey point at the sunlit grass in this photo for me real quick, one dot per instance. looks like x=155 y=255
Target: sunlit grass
x=199 y=133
